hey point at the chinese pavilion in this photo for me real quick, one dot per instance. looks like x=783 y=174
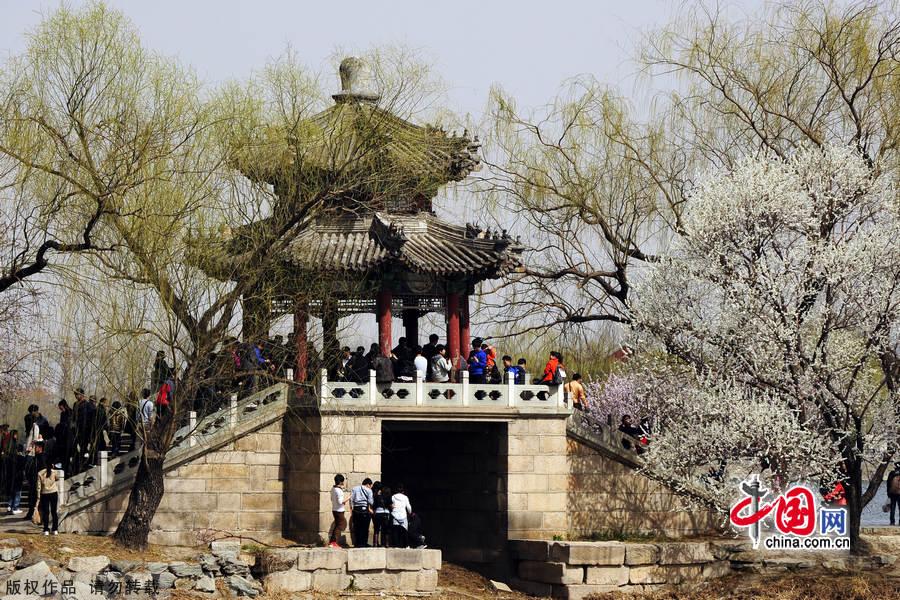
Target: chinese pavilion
x=379 y=248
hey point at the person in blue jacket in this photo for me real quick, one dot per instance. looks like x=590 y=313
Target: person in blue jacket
x=477 y=362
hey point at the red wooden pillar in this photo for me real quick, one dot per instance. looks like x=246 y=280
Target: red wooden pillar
x=301 y=319
x=383 y=308
x=465 y=345
x=453 y=327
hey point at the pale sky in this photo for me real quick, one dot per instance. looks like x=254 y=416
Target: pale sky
x=529 y=47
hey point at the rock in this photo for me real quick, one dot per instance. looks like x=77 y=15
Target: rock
x=376 y=581
x=550 y=572
x=500 y=586
x=323 y=581
x=588 y=553
x=83 y=591
x=164 y=580
x=205 y=584
x=684 y=553
x=532 y=588
x=182 y=569
x=209 y=564
x=234 y=566
x=242 y=586
x=641 y=554
x=125 y=566
x=157 y=567
x=10 y=542
x=723 y=549
x=220 y=548
x=67 y=550
x=402 y=559
x=138 y=578
x=368 y=559
x=614 y=576
x=321 y=558
x=10 y=553
x=33 y=558
x=288 y=581
x=529 y=550
x=431 y=559
x=88 y=564
x=31 y=582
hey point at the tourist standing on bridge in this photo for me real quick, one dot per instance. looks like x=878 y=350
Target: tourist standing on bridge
x=65 y=437
x=338 y=510
x=477 y=362
x=576 y=392
x=362 y=502
x=893 y=489
x=440 y=366
x=420 y=362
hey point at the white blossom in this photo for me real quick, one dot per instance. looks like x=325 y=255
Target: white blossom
x=781 y=303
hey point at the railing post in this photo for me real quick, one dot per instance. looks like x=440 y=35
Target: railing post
x=323 y=394
x=232 y=411
x=511 y=390
x=192 y=427
x=61 y=486
x=289 y=374
x=373 y=388
x=560 y=397
x=420 y=388
x=464 y=375
x=104 y=468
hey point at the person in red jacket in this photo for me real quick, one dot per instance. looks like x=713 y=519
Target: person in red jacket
x=550 y=368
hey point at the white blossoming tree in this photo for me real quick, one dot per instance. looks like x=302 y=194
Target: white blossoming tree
x=781 y=305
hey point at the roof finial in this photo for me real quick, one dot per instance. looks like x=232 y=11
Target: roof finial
x=353 y=79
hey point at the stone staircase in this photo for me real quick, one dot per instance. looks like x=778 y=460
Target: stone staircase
x=610 y=442
x=199 y=437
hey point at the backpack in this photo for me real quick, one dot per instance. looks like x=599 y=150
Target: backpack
x=894 y=485
x=559 y=374
x=495 y=375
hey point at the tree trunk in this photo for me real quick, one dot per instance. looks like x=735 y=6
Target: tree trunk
x=854 y=493
x=146 y=494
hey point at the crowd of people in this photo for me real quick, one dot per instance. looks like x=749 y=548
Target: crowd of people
x=433 y=362
x=388 y=511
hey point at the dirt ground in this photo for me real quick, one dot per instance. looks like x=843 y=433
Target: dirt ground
x=458 y=583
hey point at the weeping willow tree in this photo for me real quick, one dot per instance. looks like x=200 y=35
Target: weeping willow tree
x=197 y=193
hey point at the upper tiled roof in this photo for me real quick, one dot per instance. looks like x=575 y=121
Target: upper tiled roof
x=420 y=243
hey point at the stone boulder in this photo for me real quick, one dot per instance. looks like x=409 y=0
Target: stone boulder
x=88 y=564
x=242 y=586
x=31 y=582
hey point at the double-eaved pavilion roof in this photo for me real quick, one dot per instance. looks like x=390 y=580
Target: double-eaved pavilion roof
x=420 y=243
x=390 y=225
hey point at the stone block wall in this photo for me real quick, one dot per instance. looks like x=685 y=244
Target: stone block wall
x=332 y=570
x=238 y=489
x=537 y=478
x=577 y=570
x=320 y=447
x=605 y=496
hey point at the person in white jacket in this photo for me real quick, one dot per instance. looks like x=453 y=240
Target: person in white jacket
x=400 y=511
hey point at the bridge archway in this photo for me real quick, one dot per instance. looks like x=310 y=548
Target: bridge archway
x=455 y=474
